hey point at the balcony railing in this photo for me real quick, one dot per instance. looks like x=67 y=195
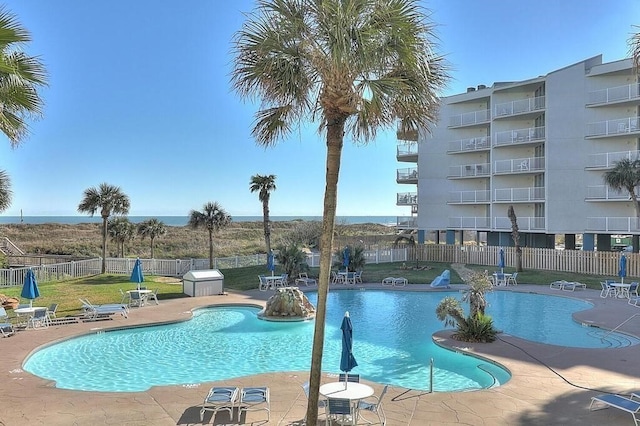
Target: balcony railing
x=519 y=106
x=613 y=224
x=519 y=136
x=470 y=170
x=407 y=175
x=469 y=222
x=470 y=118
x=604 y=192
x=519 y=194
x=472 y=144
x=614 y=94
x=620 y=126
x=469 y=197
x=519 y=165
x=607 y=160
x=407 y=150
x=524 y=223
x=407 y=198
x=406 y=222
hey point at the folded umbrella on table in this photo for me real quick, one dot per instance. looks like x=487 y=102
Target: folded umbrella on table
x=30 y=287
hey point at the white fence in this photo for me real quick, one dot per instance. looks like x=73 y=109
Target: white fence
x=164 y=267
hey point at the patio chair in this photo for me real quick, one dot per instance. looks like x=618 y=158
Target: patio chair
x=305 y=388
x=40 y=319
x=137 y=299
x=254 y=399
x=51 y=310
x=607 y=290
x=630 y=405
x=303 y=278
x=125 y=297
x=263 y=286
x=339 y=410
x=513 y=279
x=220 y=398
x=359 y=277
x=153 y=295
x=6 y=328
x=353 y=378
x=374 y=406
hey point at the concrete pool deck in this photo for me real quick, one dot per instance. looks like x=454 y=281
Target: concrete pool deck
x=536 y=395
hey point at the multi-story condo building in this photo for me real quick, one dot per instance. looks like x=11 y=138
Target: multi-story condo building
x=540 y=145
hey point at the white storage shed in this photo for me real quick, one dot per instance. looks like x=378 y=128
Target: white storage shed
x=208 y=282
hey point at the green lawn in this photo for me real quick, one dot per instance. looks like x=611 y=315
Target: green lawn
x=106 y=288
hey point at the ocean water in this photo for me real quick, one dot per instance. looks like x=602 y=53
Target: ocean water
x=182 y=220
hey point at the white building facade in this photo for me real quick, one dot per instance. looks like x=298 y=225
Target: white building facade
x=539 y=145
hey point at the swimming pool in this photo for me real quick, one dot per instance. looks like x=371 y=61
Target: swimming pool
x=392 y=343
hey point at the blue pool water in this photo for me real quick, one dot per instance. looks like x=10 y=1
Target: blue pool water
x=392 y=344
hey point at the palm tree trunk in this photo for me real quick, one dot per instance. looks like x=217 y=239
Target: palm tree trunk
x=335 y=133
x=152 y=248
x=266 y=224
x=210 y=249
x=104 y=244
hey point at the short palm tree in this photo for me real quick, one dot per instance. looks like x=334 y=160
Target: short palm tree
x=213 y=218
x=263 y=185
x=353 y=66
x=152 y=228
x=108 y=199
x=121 y=231
x=5 y=191
x=625 y=176
x=21 y=76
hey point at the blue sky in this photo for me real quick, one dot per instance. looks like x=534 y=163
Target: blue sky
x=139 y=97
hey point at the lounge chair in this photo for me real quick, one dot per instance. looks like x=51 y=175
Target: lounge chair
x=374 y=405
x=630 y=405
x=6 y=328
x=220 y=398
x=558 y=285
x=572 y=285
x=303 y=278
x=254 y=399
x=93 y=312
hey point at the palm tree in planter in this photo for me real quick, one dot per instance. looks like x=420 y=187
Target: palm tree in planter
x=152 y=228
x=625 y=176
x=5 y=191
x=477 y=327
x=213 y=218
x=263 y=185
x=108 y=199
x=354 y=67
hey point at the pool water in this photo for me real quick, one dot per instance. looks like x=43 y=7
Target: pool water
x=392 y=344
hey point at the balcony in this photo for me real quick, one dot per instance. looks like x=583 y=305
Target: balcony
x=617 y=127
x=519 y=136
x=469 y=145
x=407 y=152
x=469 y=197
x=607 y=160
x=406 y=222
x=469 y=222
x=524 y=224
x=519 y=166
x=407 y=199
x=470 y=118
x=469 y=171
x=613 y=224
x=519 y=195
x=409 y=175
x=519 y=107
x=604 y=193
x=614 y=95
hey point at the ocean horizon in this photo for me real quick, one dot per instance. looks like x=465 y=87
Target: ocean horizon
x=183 y=220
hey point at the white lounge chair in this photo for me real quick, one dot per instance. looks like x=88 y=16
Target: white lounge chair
x=630 y=405
x=254 y=399
x=572 y=285
x=220 y=398
x=93 y=312
x=557 y=285
x=6 y=328
x=303 y=278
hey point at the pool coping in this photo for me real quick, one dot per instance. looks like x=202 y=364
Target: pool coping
x=534 y=395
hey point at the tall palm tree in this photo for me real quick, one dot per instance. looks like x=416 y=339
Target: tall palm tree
x=152 y=228
x=354 y=66
x=213 y=217
x=108 y=199
x=263 y=185
x=21 y=76
x=121 y=231
x=625 y=176
x=5 y=191
x=634 y=48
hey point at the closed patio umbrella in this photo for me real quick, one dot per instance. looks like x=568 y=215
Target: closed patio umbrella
x=30 y=287
x=501 y=260
x=623 y=268
x=346 y=258
x=271 y=265
x=347 y=360
x=136 y=274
